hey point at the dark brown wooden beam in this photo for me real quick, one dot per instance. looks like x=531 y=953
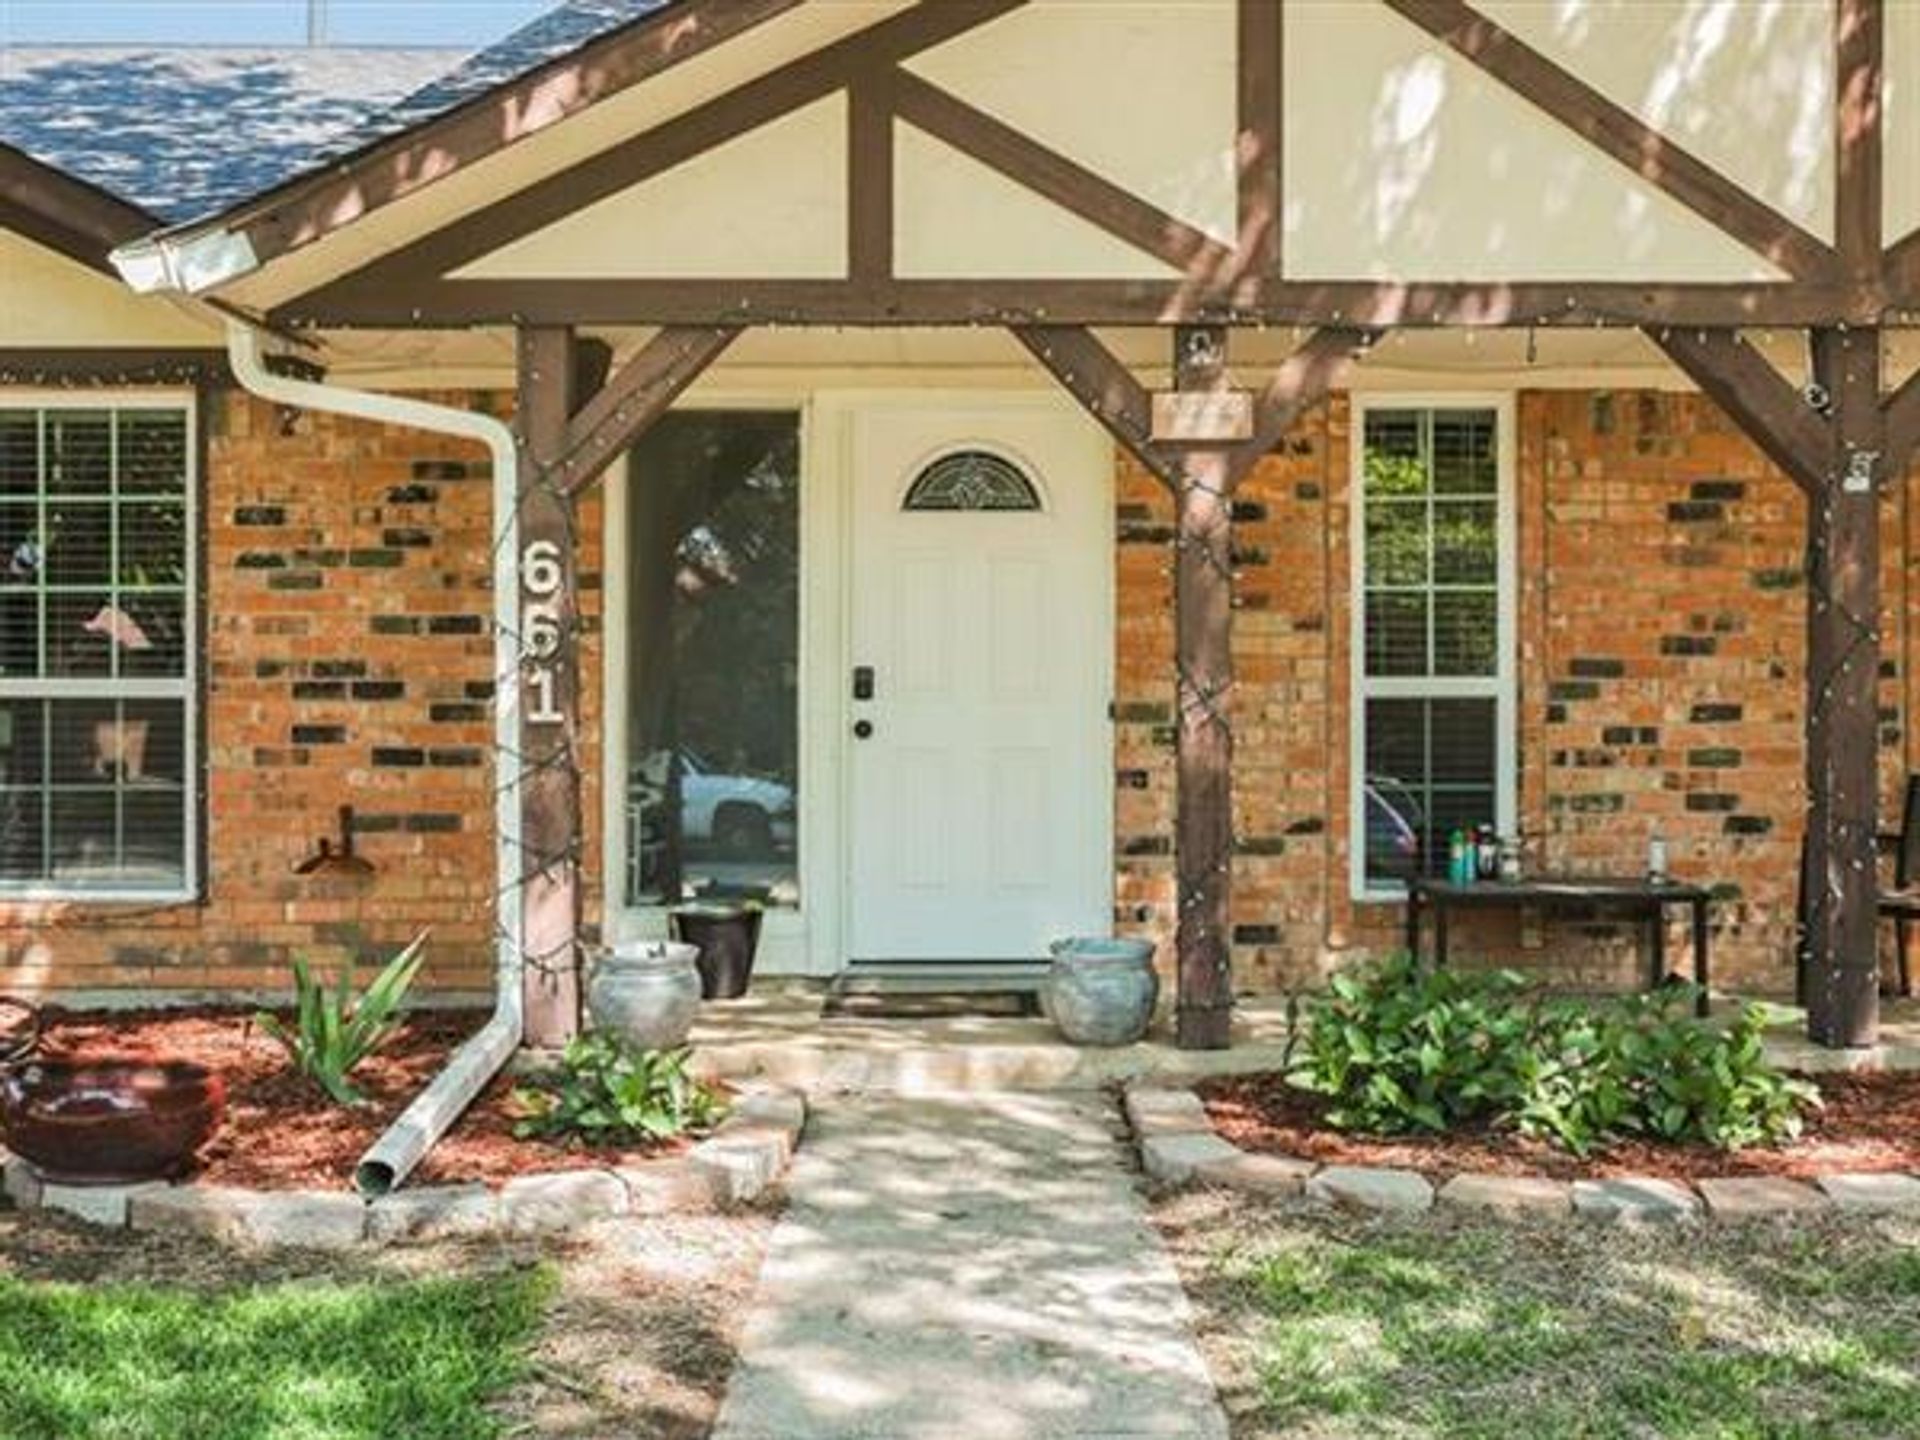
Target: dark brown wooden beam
x=1772 y=412
x=1841 y=947
x=1860 y=43
x=1105 y=388
x=1026 y=162
x=870 y=179
x=608 y=424
x=1260 y=155
x=460 y=304
x=1203 y=697
x=549 y=698
x=1622 y=136
x=1304 y=379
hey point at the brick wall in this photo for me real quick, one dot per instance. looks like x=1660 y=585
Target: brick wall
x=349 y=661
x=1661 y=631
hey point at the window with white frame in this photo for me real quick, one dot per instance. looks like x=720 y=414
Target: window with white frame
x=1433 y=656
x=97 y=728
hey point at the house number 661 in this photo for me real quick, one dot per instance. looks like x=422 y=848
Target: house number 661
x=541 y=576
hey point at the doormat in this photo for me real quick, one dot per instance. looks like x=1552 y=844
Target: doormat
x=930 y=1005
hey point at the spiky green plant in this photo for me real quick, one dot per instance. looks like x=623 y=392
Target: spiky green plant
x=333 y=1030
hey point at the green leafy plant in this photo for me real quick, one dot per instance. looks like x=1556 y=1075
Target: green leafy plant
x=333 y=1030
x=1398 y=1049
x=606 y=1092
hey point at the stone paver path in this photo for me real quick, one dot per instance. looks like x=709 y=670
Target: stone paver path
x=978 y=1267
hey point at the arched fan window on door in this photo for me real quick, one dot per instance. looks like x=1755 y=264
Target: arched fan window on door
x=972 y=480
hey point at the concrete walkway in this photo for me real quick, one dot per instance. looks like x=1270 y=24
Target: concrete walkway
x=977 y=1267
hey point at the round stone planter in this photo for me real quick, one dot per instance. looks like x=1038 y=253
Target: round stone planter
x=1102 y=992
x=109 y=1122
x=646 y=993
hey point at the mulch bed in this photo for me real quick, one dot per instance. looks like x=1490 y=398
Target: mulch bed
x=282 y=1133
x=1869 y=1123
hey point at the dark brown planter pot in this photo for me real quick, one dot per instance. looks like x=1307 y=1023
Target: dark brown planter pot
x=727 y=940
x=109 y=1122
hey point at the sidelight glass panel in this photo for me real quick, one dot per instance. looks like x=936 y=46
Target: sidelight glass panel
x=713 y=763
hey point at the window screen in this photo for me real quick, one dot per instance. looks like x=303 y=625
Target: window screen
x=96 y=560
x=1431 y=670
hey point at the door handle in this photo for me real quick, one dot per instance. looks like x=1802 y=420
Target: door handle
x=863 y=729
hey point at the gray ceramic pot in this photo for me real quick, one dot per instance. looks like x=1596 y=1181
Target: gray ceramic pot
x=646 y=993
x=1102 y=992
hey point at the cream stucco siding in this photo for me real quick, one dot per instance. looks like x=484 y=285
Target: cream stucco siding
x=1902 y=167
x=955 y=218
x=771 y=204
x=1404 y=161
x=1144 y=95
x=1746 y=86
x=48 y=300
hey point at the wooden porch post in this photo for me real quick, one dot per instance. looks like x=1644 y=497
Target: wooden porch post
x=549 y=696
x=1203 y=665
x=1842 y=717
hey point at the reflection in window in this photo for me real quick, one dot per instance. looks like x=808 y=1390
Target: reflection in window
x=713 y=660
x=1431 y=674
x=95 y=680
x=972 y=480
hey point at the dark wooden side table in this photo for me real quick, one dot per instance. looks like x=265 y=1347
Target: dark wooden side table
x=1647 y=898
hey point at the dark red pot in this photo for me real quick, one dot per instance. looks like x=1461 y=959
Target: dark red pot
x=109 y=1122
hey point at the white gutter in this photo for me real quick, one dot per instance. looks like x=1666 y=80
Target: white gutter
x=394 y=1154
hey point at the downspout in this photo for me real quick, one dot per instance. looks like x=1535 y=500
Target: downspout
x=395 y=1154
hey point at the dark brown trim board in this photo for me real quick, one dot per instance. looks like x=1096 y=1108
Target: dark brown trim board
x=1859 y=43
x=65 y=214
x=458 y=304
x=1260 y=155
x=114 y=367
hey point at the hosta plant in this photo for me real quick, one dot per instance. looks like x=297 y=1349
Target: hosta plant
x=333 y=1030
x=607 y=1092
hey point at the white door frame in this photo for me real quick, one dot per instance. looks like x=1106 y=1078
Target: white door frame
x=810 y=941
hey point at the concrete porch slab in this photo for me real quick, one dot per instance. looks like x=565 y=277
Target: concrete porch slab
x=777 y=1033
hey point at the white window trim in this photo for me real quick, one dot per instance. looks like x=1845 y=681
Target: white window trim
x=186 y=689
x=1503 y=686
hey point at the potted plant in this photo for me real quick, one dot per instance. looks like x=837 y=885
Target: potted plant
x=727 y=937
x=1101 y=991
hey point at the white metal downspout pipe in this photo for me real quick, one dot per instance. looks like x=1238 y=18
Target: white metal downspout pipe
x=433 y=1111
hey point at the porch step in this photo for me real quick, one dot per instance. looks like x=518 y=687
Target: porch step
x=938 y=977
x=776 y=1033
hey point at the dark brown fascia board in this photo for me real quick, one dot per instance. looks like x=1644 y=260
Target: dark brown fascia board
x=1373 y=304
x=309 y=207
x=1622 y=136
x=768 y=97
x=102 y=367
x=66 y=214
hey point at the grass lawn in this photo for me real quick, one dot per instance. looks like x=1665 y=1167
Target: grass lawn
x=304 y=1359
x=1324 y=1325
x=626 y=1329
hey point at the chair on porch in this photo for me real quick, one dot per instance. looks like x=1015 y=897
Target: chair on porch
x=1901 y=903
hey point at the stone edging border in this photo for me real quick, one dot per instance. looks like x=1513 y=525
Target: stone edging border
x=744 y=1158
x=1179 y=1147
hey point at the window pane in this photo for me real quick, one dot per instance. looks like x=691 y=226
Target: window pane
x=153 y=452
x=1466 y=633
x=19 y=453
x=79 y=542
x=23 y=837
x=148 y=632
x=1430 y=771
x=85 y=838
x=1395 y=454
x=79 y=453
x=22 y=743
x=1397 y=634
x=153 y=842
x=714 y=663
x=1465 y=542
x=153 y=543
x=1463 y=453
x=1396 y=543
x=78 y=629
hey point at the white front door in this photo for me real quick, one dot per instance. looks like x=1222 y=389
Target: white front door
x=981 y=759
